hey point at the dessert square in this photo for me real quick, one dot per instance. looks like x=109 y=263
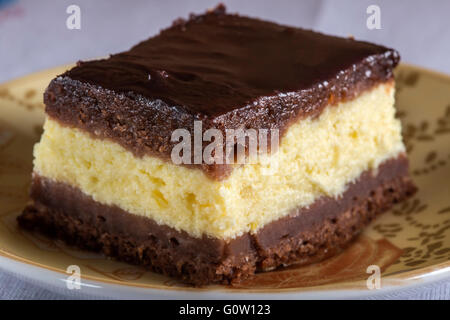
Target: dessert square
x=105 y=179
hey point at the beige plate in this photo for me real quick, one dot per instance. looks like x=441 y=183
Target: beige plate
x=410 y=244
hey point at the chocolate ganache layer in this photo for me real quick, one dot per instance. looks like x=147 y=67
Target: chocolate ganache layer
x=226 y=70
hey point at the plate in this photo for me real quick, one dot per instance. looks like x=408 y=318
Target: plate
x=409 y=245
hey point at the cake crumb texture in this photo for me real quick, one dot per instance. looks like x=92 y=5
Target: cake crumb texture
x=317 y=157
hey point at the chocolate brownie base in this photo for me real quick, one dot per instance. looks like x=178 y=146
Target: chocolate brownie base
x=307 y=235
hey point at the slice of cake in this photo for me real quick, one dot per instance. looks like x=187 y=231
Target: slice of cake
x=105 y=177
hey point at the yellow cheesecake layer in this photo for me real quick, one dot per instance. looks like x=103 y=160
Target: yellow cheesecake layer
x=317 y=157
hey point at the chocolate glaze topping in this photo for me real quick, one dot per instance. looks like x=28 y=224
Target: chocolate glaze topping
x=227 y=70
x=215 y=63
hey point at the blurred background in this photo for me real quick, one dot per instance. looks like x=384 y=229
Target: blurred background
x=34 y=36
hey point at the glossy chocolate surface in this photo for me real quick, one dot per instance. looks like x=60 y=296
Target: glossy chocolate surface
x=216 y=62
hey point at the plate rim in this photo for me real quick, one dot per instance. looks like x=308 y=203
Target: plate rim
x=398 y=280
x=110 y=289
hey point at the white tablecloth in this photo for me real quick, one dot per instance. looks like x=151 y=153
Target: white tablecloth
x=33 y=36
